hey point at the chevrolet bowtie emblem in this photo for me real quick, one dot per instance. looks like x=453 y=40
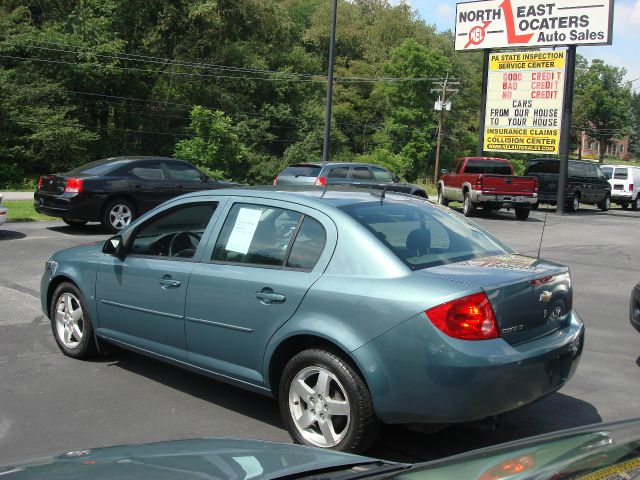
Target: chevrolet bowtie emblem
x=545 y=296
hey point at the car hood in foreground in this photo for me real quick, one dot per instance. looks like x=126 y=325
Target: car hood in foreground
x=186 y=459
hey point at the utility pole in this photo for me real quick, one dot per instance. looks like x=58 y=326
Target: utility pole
x=327 y=119
x=442 y=105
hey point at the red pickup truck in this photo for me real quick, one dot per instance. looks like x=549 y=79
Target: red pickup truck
x=489 y=182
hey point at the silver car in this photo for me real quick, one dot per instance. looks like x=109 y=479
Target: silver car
x=3 y=212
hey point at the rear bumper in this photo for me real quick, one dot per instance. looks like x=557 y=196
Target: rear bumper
x=618 y=197
x=419 y=375
x=73 y=206
x=524 y=200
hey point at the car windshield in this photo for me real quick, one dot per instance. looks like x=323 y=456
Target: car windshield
x=302 y=171
x=621 y=174
x=425 y=235
x=608 y=172
x=98 y=167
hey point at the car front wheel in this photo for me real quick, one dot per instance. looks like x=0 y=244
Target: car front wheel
x=117 y=215
x=70 y=322
x=325 y=403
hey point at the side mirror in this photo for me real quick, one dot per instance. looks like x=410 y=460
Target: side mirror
x=114 y=246
x=443 y=171
x=396 y=178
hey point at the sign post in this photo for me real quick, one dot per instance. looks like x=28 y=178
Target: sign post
x=567 y=111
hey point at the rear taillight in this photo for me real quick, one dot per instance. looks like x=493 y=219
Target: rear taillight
x=631 y=187
x=466 y=318
x=74 y=185
x=320 y=181
x=40 y=182
x=536 y=185
x=510 y=467
x=275 y=180
x=479 y=183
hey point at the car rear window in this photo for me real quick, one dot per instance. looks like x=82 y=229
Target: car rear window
x=302 y=171
x=542 y=166
x=425 y=235
x=99 y=167
x=488 y=166
x=621 y=174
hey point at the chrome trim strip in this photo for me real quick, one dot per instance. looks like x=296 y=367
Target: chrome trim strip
x=218 y=324
x=140 y=309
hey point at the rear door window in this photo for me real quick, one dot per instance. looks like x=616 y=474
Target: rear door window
x=360 y=173
x=338 y=172
x=151 y=171
x=307 y=246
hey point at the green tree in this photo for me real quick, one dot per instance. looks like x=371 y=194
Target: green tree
x=635 y=130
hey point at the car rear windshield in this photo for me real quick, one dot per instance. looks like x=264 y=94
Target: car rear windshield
x=99 y=167
x=494 y=167
x=542 y=166
x=425 y=235
x=302 y=171
x=621 y=174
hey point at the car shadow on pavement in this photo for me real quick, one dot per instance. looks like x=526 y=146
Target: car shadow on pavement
x=10 y=235
x=555 y=412
x=84 y=230
x=249 y=404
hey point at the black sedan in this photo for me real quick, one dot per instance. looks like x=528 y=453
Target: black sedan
x=115 y=191
x=634 y=312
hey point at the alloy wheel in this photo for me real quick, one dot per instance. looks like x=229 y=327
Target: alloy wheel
x=69 y=320
x=120 y=216
x=319 y=407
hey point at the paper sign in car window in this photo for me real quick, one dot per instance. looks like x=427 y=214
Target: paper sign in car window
x=250 y=465
x=243 y=230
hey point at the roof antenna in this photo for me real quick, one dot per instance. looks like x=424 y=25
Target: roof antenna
x=546 y=211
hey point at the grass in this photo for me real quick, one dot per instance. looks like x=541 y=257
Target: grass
x=23 y=211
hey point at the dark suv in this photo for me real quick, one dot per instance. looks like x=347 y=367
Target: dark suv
x=586 y=183
x=352 y=174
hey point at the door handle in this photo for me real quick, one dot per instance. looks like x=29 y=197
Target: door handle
x=267 y=296
x=167 y=282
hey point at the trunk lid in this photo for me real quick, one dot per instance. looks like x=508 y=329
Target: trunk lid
x=53 y=183
x=530 y=297
x=511 y=185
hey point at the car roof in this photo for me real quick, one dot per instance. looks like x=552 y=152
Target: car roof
x=334 y=164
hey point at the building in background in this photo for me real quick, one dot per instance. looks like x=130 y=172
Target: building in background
x=590 y=147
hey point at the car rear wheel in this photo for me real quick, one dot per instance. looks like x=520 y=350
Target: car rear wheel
x=74 y=223
x=324 y=403
x=468 y=207
x=118 y=214
x=635 y=205
x=70 y=322
x=605 y=204
x=574 y=204
x=441 y=200
x=522 y=213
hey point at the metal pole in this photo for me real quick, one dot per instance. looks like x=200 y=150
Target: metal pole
x=565 y=134
x=442 y=106
x=483 y=103
x=327 y=118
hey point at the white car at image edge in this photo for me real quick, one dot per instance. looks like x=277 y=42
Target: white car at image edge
x=3 y=212
x=625 y=184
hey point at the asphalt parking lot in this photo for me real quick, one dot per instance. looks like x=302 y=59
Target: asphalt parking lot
x=50 y=403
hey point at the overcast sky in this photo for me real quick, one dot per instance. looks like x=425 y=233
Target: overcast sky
x=625 y=51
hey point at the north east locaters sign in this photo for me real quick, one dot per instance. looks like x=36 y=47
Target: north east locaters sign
x=524 y=101
x=525 y=23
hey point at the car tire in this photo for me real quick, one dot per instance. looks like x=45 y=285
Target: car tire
x=522 y=213
x=117 y=214
x=574 y=204
x=441 y=200
x=635 y=204
x=311 y=421
x=535 y=206
x=71 y=323
x=624 y=206
x=468 y=207
x=605 y=204
x=74 y=223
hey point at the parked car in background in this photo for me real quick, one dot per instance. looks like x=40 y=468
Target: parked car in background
x=605 y=451
x=349 y=307
x=490 y=183
x=625 y=185
x=3 y=212
x=349 y=174
x=634 y=312
x=586 y=183
x=115 y=191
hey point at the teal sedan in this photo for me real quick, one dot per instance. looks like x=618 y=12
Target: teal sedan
x=351 y=308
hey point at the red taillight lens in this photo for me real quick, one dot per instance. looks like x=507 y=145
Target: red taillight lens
x=631 y=187
x=467 y=318
x=509 y=467
x=74 y=185
x=40 y=182
x=536 y=184
x=479 y=183
x=320 y=181
x=275 y=180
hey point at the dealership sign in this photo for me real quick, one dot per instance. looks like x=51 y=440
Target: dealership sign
x=524 y=101
x=525 y=23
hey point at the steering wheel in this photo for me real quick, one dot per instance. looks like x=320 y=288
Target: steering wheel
x=182 y=244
